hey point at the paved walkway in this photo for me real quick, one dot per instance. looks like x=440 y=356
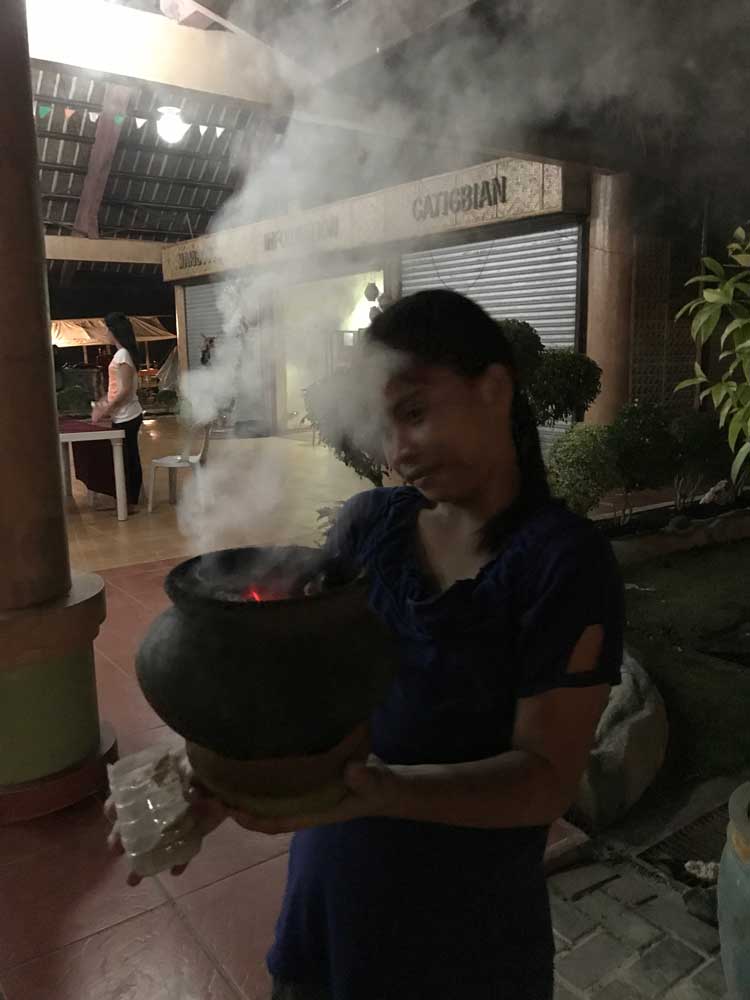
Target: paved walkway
x=621 y=936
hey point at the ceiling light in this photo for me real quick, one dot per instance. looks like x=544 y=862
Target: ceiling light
x=170 y=126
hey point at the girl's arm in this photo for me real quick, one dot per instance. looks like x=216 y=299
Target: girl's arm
x=537 y=781
x=532 y=785
x=125 y=375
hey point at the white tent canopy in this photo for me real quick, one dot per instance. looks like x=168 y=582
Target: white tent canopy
x=93 y=332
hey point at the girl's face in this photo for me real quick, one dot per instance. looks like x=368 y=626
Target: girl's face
x=447 y=434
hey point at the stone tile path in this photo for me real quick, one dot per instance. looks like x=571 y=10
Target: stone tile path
x=620 y=936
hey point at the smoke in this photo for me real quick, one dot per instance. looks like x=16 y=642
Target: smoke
x=487 y=75
x=646 y=74
x=237 y=492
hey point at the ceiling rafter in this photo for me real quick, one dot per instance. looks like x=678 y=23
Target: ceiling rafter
x=108 y=127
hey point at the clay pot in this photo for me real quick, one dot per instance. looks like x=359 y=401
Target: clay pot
x=265 y=691
x=280 y=786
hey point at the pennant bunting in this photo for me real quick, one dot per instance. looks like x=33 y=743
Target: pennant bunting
x=69 y=112
x=119 y=119
x=140 y=122
x=94 y=117
x=44 y=110
x=219 y=131
x=203 y=129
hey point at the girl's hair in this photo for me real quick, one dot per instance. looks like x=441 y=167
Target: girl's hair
x=122 y=330
x=441 y=327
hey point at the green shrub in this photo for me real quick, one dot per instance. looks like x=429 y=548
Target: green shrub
x=327 y=517
x=702 y=453
x=644 y=450
x=564 y=386
x=527 y=347
x=722 y=312
x=331 y=405
x=74 y=400
x=581 y=467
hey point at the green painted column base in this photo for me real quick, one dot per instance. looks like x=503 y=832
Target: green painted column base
x=48 y=716
x=49 y=719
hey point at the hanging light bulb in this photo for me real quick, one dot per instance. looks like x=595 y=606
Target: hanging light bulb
x=170 y=126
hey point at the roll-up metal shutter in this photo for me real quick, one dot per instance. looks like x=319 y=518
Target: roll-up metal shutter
x=203 y=318
x=252 y=405
x=533 y=278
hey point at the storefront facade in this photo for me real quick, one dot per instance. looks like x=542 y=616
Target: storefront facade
x=550 y=243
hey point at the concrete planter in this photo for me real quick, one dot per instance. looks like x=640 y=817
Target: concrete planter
x=630 y=748
x=681 y=537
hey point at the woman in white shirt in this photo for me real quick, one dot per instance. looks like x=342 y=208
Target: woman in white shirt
x=122 y=405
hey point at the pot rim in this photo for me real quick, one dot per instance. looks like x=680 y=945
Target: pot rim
x=182 y=596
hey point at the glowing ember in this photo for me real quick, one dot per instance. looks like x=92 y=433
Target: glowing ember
x=251 y=593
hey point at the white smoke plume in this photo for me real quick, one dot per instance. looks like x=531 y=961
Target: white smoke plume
x=501 y=72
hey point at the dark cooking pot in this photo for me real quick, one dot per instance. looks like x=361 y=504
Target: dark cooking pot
x=249 y=669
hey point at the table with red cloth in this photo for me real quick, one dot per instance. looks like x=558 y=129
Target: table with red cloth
x=92 y=459
x=98 y=463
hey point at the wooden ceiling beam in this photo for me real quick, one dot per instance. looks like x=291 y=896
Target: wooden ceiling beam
x=136 y=147
x=194 y=14
x=132 y=203
x=135 y=45
x=186 y=12
x=76 y=248
x=170 y=235
x=130 y=175
x=108 y=127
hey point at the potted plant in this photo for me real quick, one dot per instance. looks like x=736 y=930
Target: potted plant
x=722 y=310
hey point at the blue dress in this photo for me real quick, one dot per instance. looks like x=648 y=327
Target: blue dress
x=390 y=909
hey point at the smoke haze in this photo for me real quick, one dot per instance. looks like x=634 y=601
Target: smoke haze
x=476 y=87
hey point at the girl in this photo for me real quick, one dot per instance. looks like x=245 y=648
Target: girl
x=427 y=882
x=122 y=405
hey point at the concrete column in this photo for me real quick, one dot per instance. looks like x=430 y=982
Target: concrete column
x=52 y=748
x=180 y=313
x=268 y=359
x=35 y=548
x=610 y=289
x=392 y=278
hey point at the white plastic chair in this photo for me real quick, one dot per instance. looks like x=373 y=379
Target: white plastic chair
x=182 y=461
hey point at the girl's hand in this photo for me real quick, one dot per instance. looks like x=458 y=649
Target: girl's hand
x=209 y=813
x=100 y=411
x=372 y=790
x=371 y=785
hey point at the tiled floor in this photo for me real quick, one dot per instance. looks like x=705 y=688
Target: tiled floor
x=257 y=491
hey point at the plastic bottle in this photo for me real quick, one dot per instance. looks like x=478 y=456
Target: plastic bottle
x=156 y=825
